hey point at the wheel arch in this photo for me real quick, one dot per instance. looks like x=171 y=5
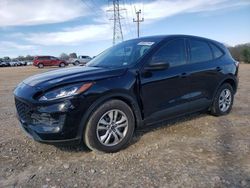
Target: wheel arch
x=129 y=100
x=230 y=80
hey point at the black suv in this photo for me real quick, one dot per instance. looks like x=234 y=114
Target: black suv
x=135 y=83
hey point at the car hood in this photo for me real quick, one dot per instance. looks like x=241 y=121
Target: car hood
x=72 y=74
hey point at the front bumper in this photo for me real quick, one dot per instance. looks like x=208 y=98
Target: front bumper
x=37 y=137
x=51 y=123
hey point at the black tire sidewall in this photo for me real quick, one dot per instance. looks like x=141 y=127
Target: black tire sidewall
x=90 y=136
x=215 y=108
x=62 y=65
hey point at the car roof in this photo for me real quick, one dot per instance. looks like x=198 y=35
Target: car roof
x=44 y=56
x=162 y=37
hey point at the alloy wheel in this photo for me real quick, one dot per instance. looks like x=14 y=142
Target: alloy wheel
x=112 y=127
x=225 y=100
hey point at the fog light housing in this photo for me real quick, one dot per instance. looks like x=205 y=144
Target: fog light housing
x=45 y=122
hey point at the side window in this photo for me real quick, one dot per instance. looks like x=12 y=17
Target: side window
x=172 y=53
x=217 y=52
x=42 y=58
x=199 y=51
x=144 y=49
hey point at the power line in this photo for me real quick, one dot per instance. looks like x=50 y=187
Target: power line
x=127 y=20
x=93 y=7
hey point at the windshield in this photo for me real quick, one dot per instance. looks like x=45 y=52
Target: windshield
x=123 y=54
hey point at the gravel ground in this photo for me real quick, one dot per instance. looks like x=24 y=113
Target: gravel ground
x=194 y=151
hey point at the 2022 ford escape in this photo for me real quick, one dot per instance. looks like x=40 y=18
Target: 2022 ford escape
x=132 y=84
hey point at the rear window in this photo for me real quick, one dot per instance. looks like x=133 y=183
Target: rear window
x=216 y=51
x=42 y=58
x=53 y=58
x=199 y=51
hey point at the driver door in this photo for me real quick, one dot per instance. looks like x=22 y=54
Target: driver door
x=163 y=91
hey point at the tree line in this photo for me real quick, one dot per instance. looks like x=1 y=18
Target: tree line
x=240 y=53
x=63 y=56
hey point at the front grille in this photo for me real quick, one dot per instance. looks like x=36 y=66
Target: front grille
x=23 y=111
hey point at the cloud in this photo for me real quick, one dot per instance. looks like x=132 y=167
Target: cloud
x=9 y=48
x=6 y=45
x=160 y=9
x=35 y=12
x=71 y=36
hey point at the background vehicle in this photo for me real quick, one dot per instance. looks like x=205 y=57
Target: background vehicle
x=4 y=64
x=135 y=83
x=29 y=63
x=41 y=61
x=23 y=63
x=13 y=63
x=80 y=60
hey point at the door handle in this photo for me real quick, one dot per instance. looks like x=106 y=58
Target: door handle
x=184 y=75
x=218 y=69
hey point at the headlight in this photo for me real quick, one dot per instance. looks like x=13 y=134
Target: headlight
x=65 y=91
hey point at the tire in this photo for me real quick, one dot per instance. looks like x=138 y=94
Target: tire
x=62 y=65
x=223 y=100
x=40 y=65
x=76 y=63
x=100 y=134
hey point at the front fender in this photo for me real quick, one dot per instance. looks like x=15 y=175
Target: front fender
x=130 y=100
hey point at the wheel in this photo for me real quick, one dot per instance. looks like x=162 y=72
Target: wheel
x=76 y=63
x=223 y=100
x=62 y=65
x=40 y=65
x=110 y=127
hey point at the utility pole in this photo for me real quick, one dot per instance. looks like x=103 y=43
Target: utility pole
x=117 y=29
x=138 y=20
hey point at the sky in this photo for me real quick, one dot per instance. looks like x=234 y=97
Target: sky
x=51 y=27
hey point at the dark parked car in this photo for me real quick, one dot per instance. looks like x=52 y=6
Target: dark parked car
x=135 y=83
x=4 y=64
x=41 y=61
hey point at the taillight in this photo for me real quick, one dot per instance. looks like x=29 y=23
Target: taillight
x=237 y=63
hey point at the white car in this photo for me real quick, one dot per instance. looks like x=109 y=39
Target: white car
x=82 y=59
x=13 y=63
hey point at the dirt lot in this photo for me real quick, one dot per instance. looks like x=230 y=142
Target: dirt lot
x=195 y=151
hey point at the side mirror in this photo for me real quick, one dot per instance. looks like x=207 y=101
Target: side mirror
x=154 y=66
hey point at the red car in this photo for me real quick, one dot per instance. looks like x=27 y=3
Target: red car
x=41 y=61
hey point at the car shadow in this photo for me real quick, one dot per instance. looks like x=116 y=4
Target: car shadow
x=138 y=132
x=76 y=148
x=231 y=172
x=167 y=123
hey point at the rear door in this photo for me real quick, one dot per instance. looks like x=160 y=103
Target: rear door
x=46 y=60
x=54 y=61
x=163 y=92
x=205 y=71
